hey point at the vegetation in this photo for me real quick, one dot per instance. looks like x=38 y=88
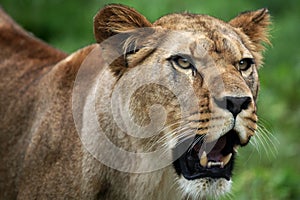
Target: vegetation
x=262 y=174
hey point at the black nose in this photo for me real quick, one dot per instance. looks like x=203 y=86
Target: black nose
x=234 y=104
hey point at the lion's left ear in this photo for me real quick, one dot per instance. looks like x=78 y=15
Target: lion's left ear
x=255 y=25
x=114 y=19
x=130 y=29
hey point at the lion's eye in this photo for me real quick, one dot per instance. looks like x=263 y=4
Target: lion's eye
x=182 y=62
x=245 y=64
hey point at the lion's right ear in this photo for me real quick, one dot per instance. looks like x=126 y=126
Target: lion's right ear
x=114 y=19
x=255 y=24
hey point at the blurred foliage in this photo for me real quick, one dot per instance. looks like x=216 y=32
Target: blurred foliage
x=260 y=174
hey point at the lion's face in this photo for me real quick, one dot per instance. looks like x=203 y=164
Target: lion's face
x=210 y=68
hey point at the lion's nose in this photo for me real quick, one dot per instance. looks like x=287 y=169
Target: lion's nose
x=234 y=104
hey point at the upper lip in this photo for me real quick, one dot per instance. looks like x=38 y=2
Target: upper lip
x=213 y=159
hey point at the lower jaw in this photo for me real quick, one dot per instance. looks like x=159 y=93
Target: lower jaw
x=204 y=187
x=212 y=173
x=206 y=175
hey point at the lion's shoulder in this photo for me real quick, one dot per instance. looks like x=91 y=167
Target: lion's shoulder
x=28 y=64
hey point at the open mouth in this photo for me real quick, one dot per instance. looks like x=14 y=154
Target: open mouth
x=202 y=159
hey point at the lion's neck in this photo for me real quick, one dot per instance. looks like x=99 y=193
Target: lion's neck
x=100 y=127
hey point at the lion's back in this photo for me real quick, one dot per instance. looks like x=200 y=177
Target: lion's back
x=23 y=60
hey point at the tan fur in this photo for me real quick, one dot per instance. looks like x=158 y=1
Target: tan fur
x=41 y=154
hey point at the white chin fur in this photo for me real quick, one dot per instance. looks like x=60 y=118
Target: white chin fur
x=204 y=187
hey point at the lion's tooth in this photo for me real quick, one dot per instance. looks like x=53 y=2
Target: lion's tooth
x=209 y=164
x=214 y=164
x=203 y=159
x=235 y=148
x=227 y=159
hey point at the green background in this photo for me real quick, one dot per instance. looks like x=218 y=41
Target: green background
x=269 y=171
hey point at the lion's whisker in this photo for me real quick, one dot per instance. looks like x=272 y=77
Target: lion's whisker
x=261 y=141
x=264 y=139
x=269 y=140
x=255 y=144
x=186 y=135
x=196 y=141
x=183 y=124
x=166 y=137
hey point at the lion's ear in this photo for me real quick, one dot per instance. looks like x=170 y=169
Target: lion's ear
x=114 y=19
x=255 y=25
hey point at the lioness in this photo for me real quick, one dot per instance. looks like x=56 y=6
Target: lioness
x=153 y=111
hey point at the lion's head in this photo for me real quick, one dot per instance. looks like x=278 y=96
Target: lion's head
x=201 y=72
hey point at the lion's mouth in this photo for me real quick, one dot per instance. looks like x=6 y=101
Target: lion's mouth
x=201 y=159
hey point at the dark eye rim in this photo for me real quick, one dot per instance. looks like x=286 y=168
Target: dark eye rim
x=249 y=63
x=175 y=59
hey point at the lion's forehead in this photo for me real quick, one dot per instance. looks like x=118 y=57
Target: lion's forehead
x=197 y=33
x=195 y=23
